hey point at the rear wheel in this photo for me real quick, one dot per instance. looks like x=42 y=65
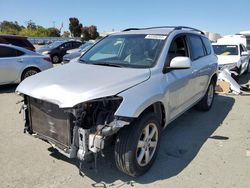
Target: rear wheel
x=137 y=145
x=55 y=59
x=29 y=72
x=206 y=102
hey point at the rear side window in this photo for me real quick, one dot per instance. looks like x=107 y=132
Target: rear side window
x=67 y=45
x=9 y=52
x=207 y=45
x=76 y=44
x=197 y=48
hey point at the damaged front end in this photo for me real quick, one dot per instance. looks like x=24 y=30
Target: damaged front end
x=75 y=132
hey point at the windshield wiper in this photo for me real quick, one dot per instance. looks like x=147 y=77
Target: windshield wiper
x=108 y=64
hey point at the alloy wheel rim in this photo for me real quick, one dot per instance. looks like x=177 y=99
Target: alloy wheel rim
x=30 y=73
x=147 y=144
x=210 y=95
x=55 y=59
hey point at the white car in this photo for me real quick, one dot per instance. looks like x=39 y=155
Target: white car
x=18 y=63
x=233 y=56
x=127 y=88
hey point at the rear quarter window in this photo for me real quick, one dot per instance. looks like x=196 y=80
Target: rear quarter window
x=207 y=45
x=197 y=48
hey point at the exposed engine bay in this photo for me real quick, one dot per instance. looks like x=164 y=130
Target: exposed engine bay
x=75 y=132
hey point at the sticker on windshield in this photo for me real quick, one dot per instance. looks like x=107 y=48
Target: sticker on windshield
x=157 y=37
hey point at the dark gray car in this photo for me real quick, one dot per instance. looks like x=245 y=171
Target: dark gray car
x=77 y=52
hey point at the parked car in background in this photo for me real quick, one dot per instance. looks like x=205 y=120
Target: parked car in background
x=246 y=34
x=233 y=56
x=238 y=39
x=58 y=49
x=17 y=41
x=18 y=63
x=72 y=54
x=128 y=87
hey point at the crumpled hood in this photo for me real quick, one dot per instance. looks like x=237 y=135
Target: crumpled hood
x=227 y=59
x=74 y=83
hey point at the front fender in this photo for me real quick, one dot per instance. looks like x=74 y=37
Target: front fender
x=138 y=98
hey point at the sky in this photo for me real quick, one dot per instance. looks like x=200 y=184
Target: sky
x=219 y=16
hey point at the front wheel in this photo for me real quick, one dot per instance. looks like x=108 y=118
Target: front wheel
x=206 y=102
x=137 y=145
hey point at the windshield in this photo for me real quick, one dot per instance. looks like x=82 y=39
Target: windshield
x=138 y=51
x=225 y=49
x=55 y=44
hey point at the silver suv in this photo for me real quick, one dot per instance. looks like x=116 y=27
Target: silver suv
x=128 y=87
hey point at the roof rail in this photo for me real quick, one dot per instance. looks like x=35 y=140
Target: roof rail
x=168 y=27
x=190 y=28
x=129 y=29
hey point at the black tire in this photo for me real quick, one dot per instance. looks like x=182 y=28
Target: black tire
x=29 y=72
x=206 y=102
x=127 y=146
x=55 y=59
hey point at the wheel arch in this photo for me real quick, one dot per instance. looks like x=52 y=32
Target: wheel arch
x=27 y=68
x=157 y=108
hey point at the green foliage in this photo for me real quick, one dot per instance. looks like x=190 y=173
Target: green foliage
x=75 y=27
x=33 y=30
x=31 y=25
x=93 y=34
x=89 y=33
x=11 y=28
x=53 y=32
x=85 y=33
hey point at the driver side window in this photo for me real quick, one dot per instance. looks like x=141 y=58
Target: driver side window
x=178 y=48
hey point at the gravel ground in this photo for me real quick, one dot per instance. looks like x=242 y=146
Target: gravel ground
x=199 y=149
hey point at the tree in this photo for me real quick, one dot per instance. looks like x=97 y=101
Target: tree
x=31 y=25
x=53 y=32
x=66 y=34
x=12 y=28
x=93 y=34
x=85 y=33
x=75 y=27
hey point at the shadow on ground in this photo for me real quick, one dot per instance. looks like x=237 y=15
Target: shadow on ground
x=244 y=79
x=180 y=143
x=7 y=88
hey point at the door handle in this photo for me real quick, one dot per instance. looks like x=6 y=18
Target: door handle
x=20 y=60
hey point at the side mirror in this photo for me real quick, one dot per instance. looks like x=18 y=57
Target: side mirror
x=244 y=54
x=178 y=63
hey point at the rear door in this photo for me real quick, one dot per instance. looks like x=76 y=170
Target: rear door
x=201 y=63
x=64 y=47
x=10 y=64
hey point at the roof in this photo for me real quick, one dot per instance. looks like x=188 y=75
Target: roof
x=12 y=36
x=227 y=43
x=161 y=30
x=16 y=47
